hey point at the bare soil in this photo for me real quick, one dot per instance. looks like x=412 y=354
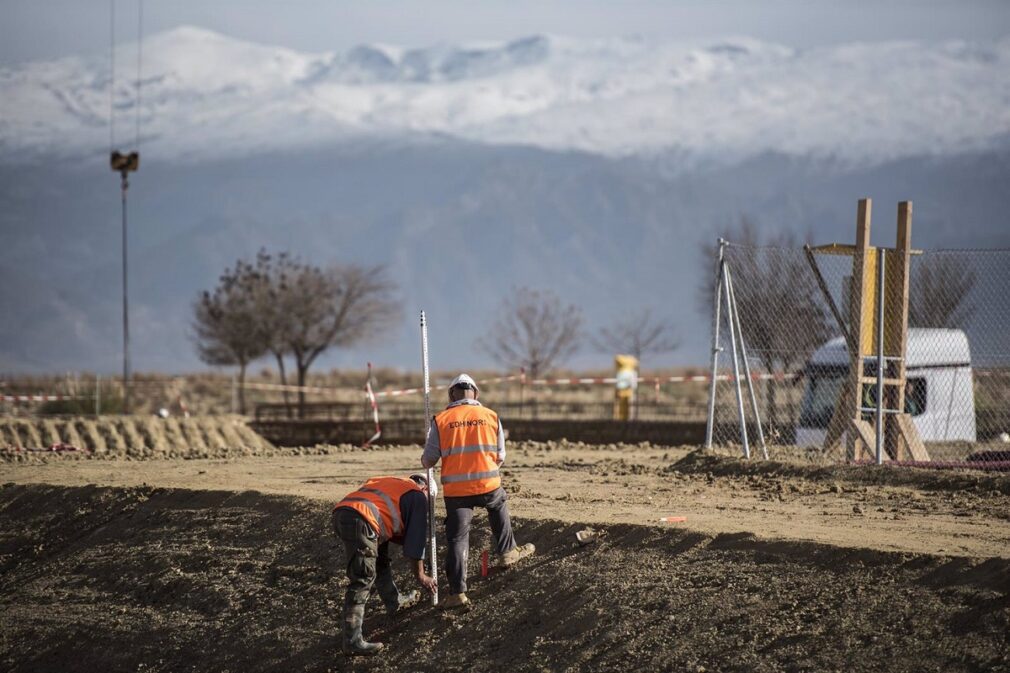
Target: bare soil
x=881 y=508
x=228 y=565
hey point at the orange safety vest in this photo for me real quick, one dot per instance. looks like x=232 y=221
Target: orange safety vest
x=378 y=503
x=468 y=438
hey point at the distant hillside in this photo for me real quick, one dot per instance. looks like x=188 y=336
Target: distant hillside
x=458 y=224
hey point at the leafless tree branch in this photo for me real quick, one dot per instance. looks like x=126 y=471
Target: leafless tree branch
x=292 y=308
x=533 y=330
x=638 y=333
x=938 y=296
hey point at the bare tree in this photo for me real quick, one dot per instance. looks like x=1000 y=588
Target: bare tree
x=272 y=278
x=282 y=306
x=638 y=334
x=939 y=291
x=783 y=318
x=338 y=306
x=533 y=330
x=227 y=326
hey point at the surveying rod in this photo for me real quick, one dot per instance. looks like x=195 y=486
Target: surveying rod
x=433 y=562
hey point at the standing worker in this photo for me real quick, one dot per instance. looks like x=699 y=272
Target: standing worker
x=383 y=510
x=469 y=440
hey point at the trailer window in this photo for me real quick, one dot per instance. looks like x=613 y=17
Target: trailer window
x=915 y=397
x=824 y=384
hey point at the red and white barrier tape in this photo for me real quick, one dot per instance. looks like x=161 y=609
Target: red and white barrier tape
x=372 y=395
x=701 y=378
x=381 y=393
x=279 y=386
x=580 y=381
x=562 y=381
x=397 y=393
x=375 y=407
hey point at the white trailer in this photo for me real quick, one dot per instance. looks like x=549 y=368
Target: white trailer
x=939 y=395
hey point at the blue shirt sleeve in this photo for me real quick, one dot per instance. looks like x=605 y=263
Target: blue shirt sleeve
x=414 y=515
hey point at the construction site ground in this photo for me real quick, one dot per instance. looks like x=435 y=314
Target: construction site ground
x=228 y=564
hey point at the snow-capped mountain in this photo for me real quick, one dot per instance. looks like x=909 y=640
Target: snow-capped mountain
x=594 y=168
x=207 y=95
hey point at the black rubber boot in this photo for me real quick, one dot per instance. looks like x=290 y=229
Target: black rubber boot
x=354 y=643
x=394 y=601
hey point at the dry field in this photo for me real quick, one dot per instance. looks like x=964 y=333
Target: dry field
x=225 y=563
x=213 y=393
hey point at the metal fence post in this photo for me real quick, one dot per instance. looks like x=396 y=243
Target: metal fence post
x=746 y=364
x=736 y=365
x=715 y=345
x=880 y=356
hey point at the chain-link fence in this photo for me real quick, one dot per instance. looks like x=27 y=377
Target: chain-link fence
x=804 y=322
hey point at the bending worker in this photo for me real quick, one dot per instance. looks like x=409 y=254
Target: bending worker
x=469 y=440
x=383 y=510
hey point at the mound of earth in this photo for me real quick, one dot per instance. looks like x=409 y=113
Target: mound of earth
x=127 y=579
x=701 y=461
x=133 y=437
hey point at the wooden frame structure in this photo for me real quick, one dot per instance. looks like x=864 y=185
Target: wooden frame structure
x=876 y=335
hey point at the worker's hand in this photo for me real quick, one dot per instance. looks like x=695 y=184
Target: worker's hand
x=427 y=583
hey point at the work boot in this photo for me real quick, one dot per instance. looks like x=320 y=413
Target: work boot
x=404 y=601
x=354 y=643
x=510 y=558
x=453 y=601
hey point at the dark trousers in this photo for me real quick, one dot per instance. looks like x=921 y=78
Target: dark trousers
x=368 y=562
x=459 y=514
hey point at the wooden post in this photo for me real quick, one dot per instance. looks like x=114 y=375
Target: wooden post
x=902 y=439
x=897 y=324
x=861 y=307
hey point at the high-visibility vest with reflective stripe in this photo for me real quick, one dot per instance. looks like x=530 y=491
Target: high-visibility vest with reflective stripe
x=468 y=438
x=378 y=503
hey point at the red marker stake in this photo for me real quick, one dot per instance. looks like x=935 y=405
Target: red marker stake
x=483 y=564
x=673 y=519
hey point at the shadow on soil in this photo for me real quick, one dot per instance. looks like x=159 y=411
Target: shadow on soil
x=104 y=579
x=705 y=462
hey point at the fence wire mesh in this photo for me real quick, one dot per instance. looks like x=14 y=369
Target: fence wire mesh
x=954 y=358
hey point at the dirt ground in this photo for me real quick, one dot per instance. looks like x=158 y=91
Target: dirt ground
x=884 y=509
x=227 y=564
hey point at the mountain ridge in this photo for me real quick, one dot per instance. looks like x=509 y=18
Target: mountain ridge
x=459 y=224
x=205 y=95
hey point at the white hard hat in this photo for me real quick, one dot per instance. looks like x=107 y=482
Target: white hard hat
x=464 y=381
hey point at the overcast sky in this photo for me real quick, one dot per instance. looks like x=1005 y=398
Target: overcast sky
x=42 y=29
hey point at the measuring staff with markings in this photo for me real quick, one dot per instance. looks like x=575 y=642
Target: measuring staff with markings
x=469 y=440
